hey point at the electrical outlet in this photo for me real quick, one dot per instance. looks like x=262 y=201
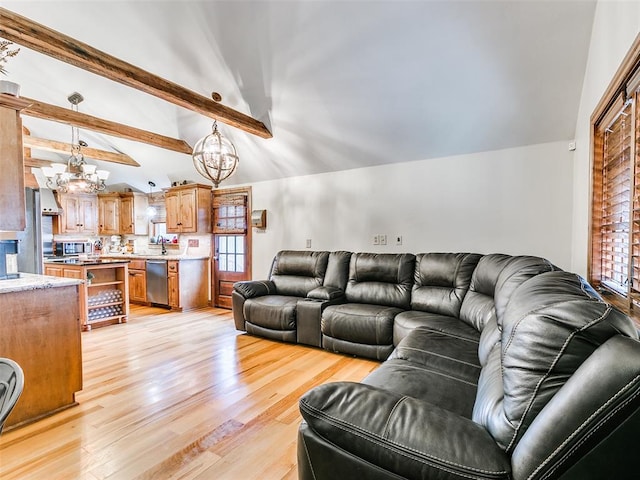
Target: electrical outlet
x=376 y=240
x=308 y=243
x=398 y=239
x=383 y=239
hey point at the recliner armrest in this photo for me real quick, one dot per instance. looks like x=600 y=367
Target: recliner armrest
x=325 y=293
x=404 y=435
x=255 y=288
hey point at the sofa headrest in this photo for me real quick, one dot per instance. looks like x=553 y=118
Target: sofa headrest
x=441 y=281
x=551 y=325
x=381 y=278
x=296 y=273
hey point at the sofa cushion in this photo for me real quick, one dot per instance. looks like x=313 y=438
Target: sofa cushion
x=551 y=325
x=296 y=273
x=406 y=322
x=360 y=323
x=451 y=354
x=381 y=279
x=441 y=281
x=274 y=312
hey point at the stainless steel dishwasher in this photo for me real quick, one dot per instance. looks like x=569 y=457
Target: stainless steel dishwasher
x=157 y=290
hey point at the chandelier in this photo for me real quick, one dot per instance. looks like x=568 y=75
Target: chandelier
x=214 y=157
x=76 y=176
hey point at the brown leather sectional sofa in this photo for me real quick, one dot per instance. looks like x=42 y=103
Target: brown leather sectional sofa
x=494 y=366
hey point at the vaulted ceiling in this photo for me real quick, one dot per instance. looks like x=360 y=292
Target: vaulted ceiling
x=340 y=84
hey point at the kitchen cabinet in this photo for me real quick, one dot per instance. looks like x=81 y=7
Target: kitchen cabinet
x=104 y=296
x=137 y=282
x=12 y=199
x=187 y=283
x=108 y=213
x=188 y=209
x=79 y=214
x=133 y=214
x=40 y=329
x=123 y=213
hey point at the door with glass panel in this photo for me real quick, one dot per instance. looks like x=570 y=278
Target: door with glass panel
x=231 y=242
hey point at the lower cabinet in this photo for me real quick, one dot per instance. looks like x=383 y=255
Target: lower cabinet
x=137 y=282
x=187 y=282
x=104 y=296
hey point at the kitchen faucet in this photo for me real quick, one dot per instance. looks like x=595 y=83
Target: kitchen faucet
x=164 y=249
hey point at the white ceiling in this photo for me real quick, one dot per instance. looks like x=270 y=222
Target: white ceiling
x=340 y=84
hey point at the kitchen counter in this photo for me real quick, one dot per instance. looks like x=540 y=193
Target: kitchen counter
x=141 y=256
x=29 y=281
x=84 y=263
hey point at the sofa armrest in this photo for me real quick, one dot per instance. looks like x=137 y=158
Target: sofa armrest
x=404 y=435
x=326 y=293
x=255 y=288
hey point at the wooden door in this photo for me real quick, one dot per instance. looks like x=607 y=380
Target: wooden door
x=108 y=214
x=88 y=206
x=172 y=202
x=69 y=222
x=188 y=211
x=126 y=215
x=231 y=242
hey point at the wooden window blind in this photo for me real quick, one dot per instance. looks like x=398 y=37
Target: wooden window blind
x=230 y=213
x=617 y=183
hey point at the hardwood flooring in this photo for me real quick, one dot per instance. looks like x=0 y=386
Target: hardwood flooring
x=178 y=396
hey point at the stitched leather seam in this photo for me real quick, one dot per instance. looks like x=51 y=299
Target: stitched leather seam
x=385 y=442
x=431 y=329
x=306 y=452
x=440 y=356
x=385 y=431
x=420 y=367
x=548 y=372
x=592 y=432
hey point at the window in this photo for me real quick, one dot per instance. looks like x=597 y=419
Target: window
x=615 y=213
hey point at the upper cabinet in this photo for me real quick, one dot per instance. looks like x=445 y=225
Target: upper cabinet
x=79 y=214
x=133 y=213
x=122 y=214
x=108 y=213
x=188 y=209
x=12 y=203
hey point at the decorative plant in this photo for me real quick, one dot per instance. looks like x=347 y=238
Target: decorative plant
x=90 y=276
x=5 y=54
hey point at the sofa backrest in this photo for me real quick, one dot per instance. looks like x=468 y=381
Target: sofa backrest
x=552 y=323
x=297 y=272
x=441 y=281
x=381 y=279
x=337 y=270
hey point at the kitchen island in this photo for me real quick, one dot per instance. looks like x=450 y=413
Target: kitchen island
x=104 y=297
x=40 y=330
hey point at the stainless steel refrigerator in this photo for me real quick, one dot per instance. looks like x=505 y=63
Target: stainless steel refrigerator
x=30 y=240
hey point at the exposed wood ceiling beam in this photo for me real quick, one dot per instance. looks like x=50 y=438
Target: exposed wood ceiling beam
x=36 y=162
x=39 y=38
x=62 y=147
x=47 y=111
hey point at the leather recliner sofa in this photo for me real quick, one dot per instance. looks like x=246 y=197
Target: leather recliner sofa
x=502 y=367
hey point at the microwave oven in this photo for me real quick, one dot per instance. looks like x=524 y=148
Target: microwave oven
x=64 y=249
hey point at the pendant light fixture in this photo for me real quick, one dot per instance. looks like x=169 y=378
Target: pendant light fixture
x=77 y=176
x=215 y=157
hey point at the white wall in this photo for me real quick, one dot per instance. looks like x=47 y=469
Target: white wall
x=515 y=201
x=615 y=27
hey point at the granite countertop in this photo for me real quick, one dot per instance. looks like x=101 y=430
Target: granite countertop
x=30 y=281
x=142 y=256
x=84 y=263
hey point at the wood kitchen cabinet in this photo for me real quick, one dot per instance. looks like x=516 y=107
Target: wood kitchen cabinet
x=188 y=209
x=104 y=299
x=108 y=213
x=133 y=213
x=12 y=200
x=137 y=281
x=79 y=214
x=187 y=283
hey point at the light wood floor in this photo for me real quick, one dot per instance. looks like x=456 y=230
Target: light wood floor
x=178 y=396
